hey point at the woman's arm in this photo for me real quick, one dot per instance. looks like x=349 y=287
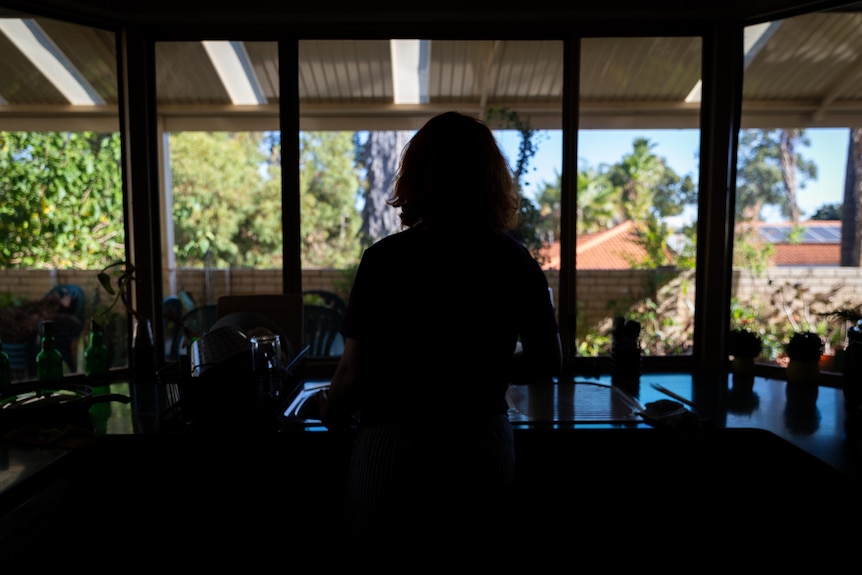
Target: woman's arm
x=338 y=403
x=538 y=360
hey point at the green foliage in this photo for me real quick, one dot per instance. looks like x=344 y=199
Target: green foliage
x=796 y=234
x=647 y=186
x=11 y=299
x=792 y=308
x=594 y=344
x=221 y=201
x=761 y=178
x=750 y=251
x=661 y=333
x=598 y=201
x=827 y=212
x=62 y=200
x=652 y=237
x=116 y=279
x=529 y=216
x=329 y=186
x=549 y=209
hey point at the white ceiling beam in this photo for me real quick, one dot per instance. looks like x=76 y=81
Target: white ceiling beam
x=410 y=61
x=38 y=47
x=233 y=66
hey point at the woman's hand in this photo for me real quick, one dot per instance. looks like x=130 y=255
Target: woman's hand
x=321 y=397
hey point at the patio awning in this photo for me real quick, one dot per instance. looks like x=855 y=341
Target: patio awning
x=805 y=71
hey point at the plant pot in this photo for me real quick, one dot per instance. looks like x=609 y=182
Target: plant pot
x=805 y=372
x=742 y=366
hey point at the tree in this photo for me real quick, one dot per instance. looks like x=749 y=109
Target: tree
x=380 y=156
x=598 y=201
x=62 y=200
x=635 y=176
x=650 y=191
x=549 y=199
x=771 y=172
x=851 y=211
x=217 y=189
x=259 y=237
x=529 y=225
x=827 y=212
x=329 y=187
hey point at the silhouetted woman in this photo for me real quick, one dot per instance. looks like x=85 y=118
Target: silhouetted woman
x=434 y=317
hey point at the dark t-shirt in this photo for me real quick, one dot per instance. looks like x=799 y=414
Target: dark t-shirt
x=438 y=317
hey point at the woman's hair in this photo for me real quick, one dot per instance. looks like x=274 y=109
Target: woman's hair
x=452 y=172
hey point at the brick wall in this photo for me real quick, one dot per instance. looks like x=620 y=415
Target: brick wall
x=602 y=294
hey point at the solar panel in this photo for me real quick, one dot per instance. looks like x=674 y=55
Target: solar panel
x=813 y=234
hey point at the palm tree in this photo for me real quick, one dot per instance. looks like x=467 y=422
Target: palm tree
x=636 y=176
x=599 y=205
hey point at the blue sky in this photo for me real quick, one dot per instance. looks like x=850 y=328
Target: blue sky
x=828 y=150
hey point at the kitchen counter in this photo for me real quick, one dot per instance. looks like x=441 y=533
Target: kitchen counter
x=750 y=456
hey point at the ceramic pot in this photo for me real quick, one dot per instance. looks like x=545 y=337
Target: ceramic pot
x=801 y=393
x=799 y=371
x=742 y=365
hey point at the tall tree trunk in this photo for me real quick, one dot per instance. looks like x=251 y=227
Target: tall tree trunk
x=788 y=171
x=381 y=155
x=851 y=210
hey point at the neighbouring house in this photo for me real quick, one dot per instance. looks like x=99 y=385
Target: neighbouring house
x=612 y=249
x=819 y=244
x=616 y=248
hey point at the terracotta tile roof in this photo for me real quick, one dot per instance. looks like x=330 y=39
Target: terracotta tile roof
x=615 y=248
x=807 y=255
x=612 y=249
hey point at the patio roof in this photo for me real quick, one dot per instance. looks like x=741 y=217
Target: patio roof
x=804 y=71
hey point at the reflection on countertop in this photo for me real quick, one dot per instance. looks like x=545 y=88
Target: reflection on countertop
x=819 y=423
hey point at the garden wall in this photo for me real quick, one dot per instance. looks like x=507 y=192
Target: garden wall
x=601 y=293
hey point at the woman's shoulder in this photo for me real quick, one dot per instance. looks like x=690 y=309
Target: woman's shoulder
x=507 y=241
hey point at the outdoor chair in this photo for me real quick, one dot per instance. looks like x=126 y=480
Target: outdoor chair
x=323 y=312
x=69 y=321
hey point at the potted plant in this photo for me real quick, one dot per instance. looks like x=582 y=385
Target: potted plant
x=845 y=318
x=744 y=346
x=117 y=278
x=803 y=352
x=120 y=274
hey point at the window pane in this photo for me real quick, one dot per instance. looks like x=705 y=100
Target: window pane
x=796 y=253
x=61 y=212
x=349 y=148
x=222 y=186
x=637 y=191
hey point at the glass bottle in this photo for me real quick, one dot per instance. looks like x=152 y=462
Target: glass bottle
x=5 y=370
x=49 y=360
x=96 y=355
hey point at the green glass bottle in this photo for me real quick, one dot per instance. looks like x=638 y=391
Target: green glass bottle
x=5 y=370
x=49 y=361
x=96 y=355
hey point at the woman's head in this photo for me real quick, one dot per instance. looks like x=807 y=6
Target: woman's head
x=452 y=172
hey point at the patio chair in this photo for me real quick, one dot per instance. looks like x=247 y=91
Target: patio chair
x=323 y=312
x=69 y=321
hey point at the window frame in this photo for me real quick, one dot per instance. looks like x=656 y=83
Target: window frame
x=720 y=120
